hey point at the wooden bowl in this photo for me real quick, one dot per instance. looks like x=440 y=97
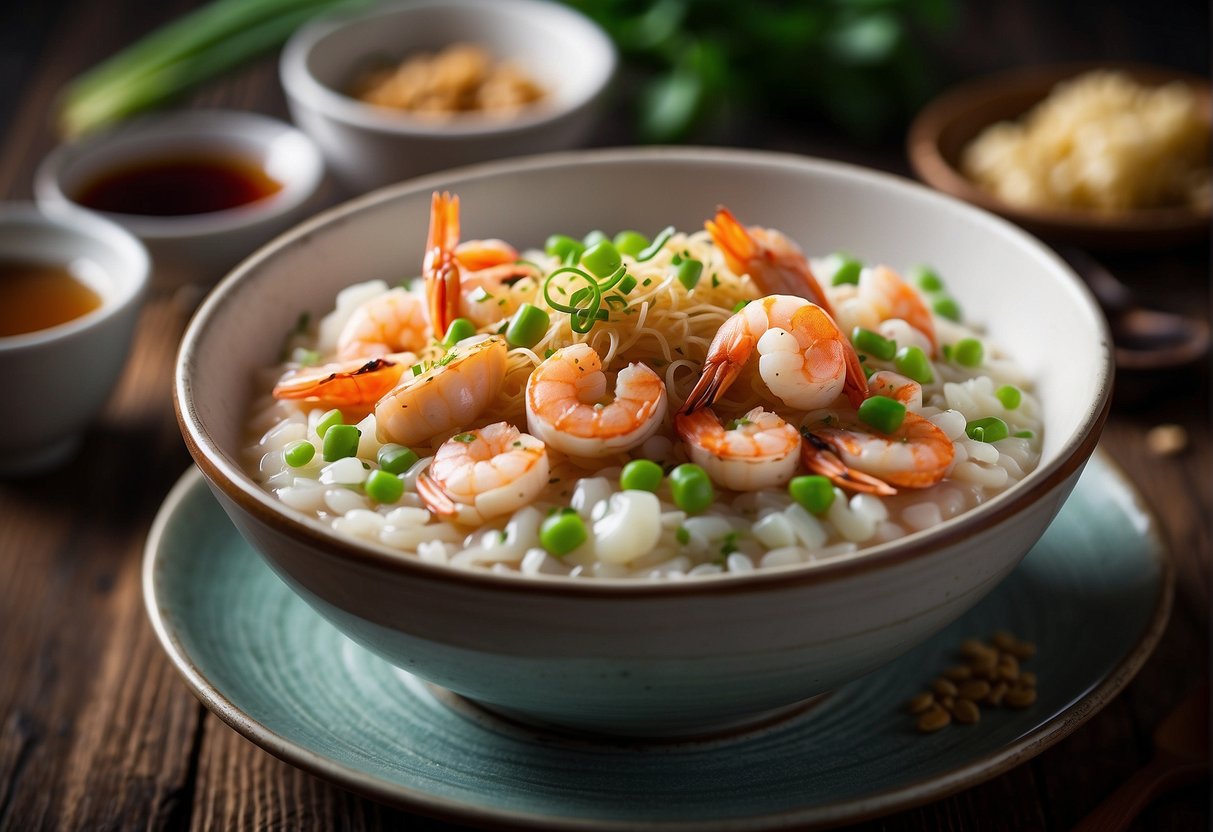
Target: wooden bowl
x=948 y=124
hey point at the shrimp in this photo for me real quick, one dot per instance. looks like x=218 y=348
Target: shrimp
x=352 y=385
x=881 y=295
x=771 y=260
x=439 y=268
x=462 y=278
x=805 y=359
x=450 y=393
x=565 y=409
x=484 y=473
x=392 y=322
x=759 y=450
x=897 y=387
x=916 y=455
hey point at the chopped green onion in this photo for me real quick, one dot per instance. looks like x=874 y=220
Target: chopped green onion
x=298 y=453
x=305 y=357
x=868 y=372
x=1009 y=396
x=728 y=545
x=945 y=307
x=691 y=488
x=882 y=413
x=913 y=363
x=989 y=429
x=396 y=459
x=626 y=285
x=417 y=369
x=734 y=424
x=741 y=304
x=465 y=438
x=650 y=251
x=384 y=487
x=562 y=533
x=842 y=268
x=341 y=441
x=873 y=343
x=926 y=278
x=689 y=272
x=641 y=475
x=330 y=418
x=594 y=238
x=630 y=243
x=549 y=352
x=968 y=352
x=563 y=247
x=682 y=535
x=529 y=325
x=602 y=259
x=815 y=493
x=1023 y=434
x=459 y=329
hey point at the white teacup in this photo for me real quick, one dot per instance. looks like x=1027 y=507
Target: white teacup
x=59 y=377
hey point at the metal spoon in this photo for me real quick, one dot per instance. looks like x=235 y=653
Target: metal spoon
x=1144 y=339
x=1181 y=755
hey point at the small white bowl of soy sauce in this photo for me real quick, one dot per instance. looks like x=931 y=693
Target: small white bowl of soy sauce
x=70 y=293
x=201 y=188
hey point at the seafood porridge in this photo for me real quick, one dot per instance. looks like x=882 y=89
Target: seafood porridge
x=691 y=404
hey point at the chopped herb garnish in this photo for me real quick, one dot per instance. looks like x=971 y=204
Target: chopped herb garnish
x=417 y=369
x=682 y=535
x=465 y=438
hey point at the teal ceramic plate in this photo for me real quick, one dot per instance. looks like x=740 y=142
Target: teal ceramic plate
x=278 y=673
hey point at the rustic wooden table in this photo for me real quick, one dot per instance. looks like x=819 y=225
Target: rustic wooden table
x=97 y=730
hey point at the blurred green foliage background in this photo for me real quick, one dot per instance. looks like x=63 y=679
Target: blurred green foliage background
x=862 y=65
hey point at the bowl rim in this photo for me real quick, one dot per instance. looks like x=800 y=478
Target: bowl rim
x=128 y=292
x=933 y=167
x=201 y=128
x=238 y=487
x=308 y=91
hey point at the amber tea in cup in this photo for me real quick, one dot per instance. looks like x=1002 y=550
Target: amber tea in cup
x=38 y=295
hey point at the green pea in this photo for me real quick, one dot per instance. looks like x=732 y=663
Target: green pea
x=1009 y=396
x=459 y=329
x=384 y=487
x=968 y=352
x=926 y=278
x=341 y=441
x=989 y=429
x=562 y=533
x=332 y=417
x=298 y=453
x=913 y=363
x=815 y=493
x=527 y=327
x=842 y=268
x=945 y=307
x=689 y=272
x=564 y=247
x=396 y=459
x=882 y=413
x=602 y=259
x=874 y=344
x=631 y=243
x=691 y=488
x=641 y=475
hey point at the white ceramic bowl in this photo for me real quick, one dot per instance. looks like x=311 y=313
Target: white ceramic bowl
x=194 y=248
x=653 y=657
x=58 y=378
x=367 y=146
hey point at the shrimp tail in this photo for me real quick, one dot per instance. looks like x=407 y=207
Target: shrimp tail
x=731 y=236
x=784 y=270
x=819 y=457
x=855 y=384
x=440 y=267
x=727 y=354
x=435 y=499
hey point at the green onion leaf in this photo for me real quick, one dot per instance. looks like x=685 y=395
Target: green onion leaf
x=650 y=251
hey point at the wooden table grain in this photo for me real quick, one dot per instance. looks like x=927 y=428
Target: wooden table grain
x=98 y=732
